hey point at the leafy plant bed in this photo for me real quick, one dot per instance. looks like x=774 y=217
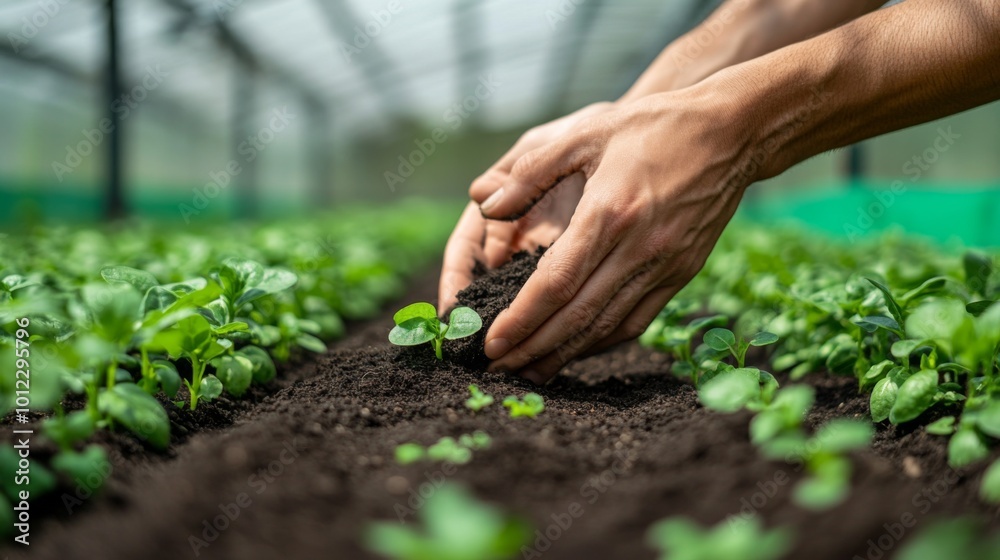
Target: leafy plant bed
x=621 y=444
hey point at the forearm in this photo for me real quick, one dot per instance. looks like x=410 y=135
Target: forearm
x=740 y=30
x=911 y=63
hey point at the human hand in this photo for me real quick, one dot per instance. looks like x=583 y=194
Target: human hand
x=493 y=242
x=664 y=175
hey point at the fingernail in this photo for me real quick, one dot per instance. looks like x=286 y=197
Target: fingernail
x=496 y=348
x=491 y=200
x=533 y=376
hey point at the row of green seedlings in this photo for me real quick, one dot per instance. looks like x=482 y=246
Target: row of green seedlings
x=934 y=348
x=453 y=525
x=132 y=332
x=777 y=426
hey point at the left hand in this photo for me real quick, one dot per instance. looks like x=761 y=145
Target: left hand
x=664 y=176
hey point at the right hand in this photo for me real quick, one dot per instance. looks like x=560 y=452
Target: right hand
x=493 y=242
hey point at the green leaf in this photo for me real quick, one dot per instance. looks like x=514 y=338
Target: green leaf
x=463 y=322
x=929 y=287
x=237 y=274
x=75 y=426
x=937 y=320
x=139 y=279
x=310 y=343
x=263 y=367
x=166 y=374
x=235 y=373
x=411 y=332
x=883 y=398
x=139 y=412
x=276 y=280
x=409 y=453
x=763 y=339
x=978 y=270
x=420 y=310
x=720 y=339
x=990 y=488
x=977 y=308
x=988 y=419
x=821 y=493
x=90 y=466
x=966 y=447
x=942 y=426
x=211 y=388
x=840 y=435
x=890 y=302
x=730 y=391
x=872 y=323
x=915 y=396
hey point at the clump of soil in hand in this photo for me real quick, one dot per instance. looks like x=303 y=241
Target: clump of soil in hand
x=490 y=293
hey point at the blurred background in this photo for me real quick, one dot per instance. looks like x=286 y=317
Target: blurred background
x=189 y=110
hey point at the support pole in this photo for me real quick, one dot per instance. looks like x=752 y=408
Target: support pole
x=115 y=201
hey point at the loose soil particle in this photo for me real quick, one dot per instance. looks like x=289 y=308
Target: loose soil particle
x=302 y=469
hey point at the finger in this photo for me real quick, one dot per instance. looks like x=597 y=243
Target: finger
x=615 y=279
x=638 y=320
x=499 y=242
x=464 y=248
x=535 y=173
x=494 y=177
x=613 y=318
x=561 y=272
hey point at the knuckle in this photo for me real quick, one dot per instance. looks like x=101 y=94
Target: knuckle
x=560 y=283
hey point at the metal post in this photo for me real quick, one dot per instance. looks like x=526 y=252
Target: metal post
x=244 y=110
x=857 y=164
x=115 y=193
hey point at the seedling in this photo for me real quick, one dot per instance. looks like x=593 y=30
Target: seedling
x=678 y=538
x=479 y=400
x=530 y=406
x=723 y=340
x=454 y=527
x=824 y=457
x=447 y=449
x=418 y=323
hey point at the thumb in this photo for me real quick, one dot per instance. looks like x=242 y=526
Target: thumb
x=534 y=174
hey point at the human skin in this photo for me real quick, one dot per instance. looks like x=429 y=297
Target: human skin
x=659 y=174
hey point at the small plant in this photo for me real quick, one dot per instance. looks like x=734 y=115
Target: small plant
x=447 y=449
x=823 y=456
x=723 y=340
x=455 y=527
x=530 y=406
x=678 y=538
x=418 y=323
x=479 y=400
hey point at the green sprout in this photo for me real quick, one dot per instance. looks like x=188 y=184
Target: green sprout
x=479 y=400
x=418 y=323
x=454 y=527
x=679 y=538
x=723 y=340
x=447 y=449
x=824 y=457
x=532 y=405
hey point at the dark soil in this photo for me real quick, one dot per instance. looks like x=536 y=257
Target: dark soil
x=307 y=465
